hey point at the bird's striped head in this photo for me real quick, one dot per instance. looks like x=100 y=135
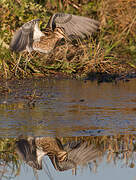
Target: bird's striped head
x=60 y=33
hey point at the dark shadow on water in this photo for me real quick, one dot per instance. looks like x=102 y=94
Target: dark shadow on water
x=102 y=77
x=108 y=77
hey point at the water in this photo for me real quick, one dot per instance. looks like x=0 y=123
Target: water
x=63 y=107
x=71 y=108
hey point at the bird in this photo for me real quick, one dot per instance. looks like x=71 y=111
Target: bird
x=63 y=157
x=79 y=155
x=60 y=25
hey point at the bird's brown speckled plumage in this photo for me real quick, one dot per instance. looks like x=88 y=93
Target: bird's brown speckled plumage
x=48 y=42
x=51 y=147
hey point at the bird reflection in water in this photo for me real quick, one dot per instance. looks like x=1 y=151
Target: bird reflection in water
x=63 y=157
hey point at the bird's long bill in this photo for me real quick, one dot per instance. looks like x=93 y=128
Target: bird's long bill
x=69 y=38
x=62 y=33
x=66 y=37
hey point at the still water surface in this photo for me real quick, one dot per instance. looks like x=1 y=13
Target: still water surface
x=64 y=107
x=71 y=108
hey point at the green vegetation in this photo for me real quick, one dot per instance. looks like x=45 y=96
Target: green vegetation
x=111 y=51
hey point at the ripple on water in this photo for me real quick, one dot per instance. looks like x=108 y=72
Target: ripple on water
x=63 y=107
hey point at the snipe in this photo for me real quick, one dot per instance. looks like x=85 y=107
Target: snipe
x=64 y=157
x=69 y=156
x=67 y=26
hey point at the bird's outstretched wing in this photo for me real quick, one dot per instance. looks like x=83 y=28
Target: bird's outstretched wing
x=81 y=155
x=23 y=37
x=74 y=26
x=27 y=153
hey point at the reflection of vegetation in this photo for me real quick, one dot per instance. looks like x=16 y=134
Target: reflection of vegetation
x=113 y=51
x=9 y=166
x=118 y=148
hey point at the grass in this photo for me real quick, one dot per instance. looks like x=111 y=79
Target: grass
x=110 y=52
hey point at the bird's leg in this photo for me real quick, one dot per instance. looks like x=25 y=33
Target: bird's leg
x=66 y=44
x=28 y=58
x=74 y=171
x=17 y=64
